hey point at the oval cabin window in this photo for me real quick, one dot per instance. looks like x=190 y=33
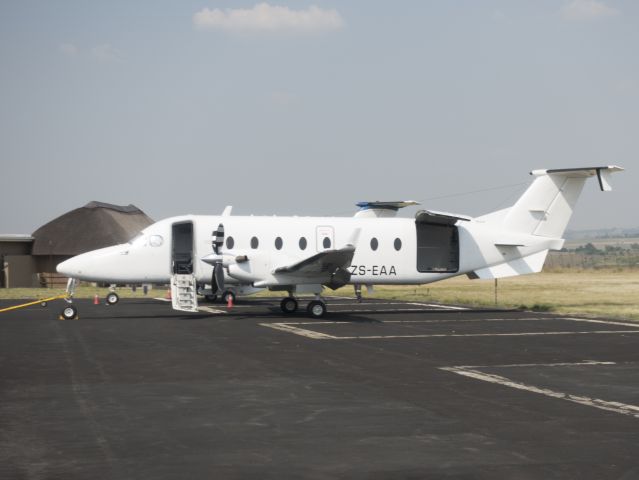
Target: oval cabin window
x=326 y=242
x=230 y=242
x=279 y=243
x=374 y=244
x=254 y=243
x=398 y=244
x=302 y=243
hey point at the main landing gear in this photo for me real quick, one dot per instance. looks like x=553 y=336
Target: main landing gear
x=315 y=309
x=289 y=305
x=112 y=298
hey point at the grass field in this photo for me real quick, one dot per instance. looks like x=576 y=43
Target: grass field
x=588 y=292
x=606 y=293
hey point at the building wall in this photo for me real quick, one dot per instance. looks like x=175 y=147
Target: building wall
x=15 y=247
x=20 y=271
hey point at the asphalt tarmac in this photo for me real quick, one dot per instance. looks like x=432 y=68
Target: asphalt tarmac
x=375 y=390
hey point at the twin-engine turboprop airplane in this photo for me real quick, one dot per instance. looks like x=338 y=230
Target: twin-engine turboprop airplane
x=238 y=255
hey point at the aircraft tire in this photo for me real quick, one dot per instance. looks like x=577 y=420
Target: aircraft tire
x=112 y=298
x=288 y=305
x=69 y=312
x=316 y=309
x=210 y=298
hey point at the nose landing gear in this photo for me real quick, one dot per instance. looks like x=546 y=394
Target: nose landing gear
x=70 y=312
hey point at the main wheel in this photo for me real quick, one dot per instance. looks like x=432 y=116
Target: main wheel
x=228 y=294
x=112 y=298
x=210 y=298
x=288 y=305
x=316 y=309
x=69 y=312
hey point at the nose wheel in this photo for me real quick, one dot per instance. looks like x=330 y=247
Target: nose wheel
x=70 y=312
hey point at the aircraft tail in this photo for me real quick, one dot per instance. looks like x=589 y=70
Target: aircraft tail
x=547 y=205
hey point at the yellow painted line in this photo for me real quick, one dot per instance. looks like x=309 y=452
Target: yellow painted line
x=36 y=302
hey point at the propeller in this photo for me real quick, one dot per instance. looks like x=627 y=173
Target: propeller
x=217 y=278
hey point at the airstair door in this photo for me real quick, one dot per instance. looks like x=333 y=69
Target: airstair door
x=184 y=292
x=183 y=285
x=325 y=238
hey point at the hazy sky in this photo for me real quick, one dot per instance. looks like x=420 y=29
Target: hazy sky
x=296 y=107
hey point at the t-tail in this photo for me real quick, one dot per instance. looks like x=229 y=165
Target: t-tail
x=546 y=206
x=542 y=212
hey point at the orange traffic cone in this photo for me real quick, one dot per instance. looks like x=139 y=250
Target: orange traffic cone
x=229 y=302
x=168 y=294
x=96 y=300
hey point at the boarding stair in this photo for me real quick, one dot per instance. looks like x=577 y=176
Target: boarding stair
x=184 y=292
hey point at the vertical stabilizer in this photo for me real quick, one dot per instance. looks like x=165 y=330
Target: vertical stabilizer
x=546 y=206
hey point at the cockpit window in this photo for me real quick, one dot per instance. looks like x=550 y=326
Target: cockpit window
x=156 y=240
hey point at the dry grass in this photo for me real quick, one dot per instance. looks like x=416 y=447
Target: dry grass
x=590 y=292
x=605 y=293
x=81 y=292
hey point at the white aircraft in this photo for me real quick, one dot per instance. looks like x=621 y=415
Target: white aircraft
x=240 y=255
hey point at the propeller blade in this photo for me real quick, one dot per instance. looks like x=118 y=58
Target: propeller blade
x=218 y=238
x=218 y=277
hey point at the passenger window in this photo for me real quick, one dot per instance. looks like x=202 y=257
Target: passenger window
x=398 y=244
x=254 y=243
x=230 y=243
x=156 y=240
x=326 y=242
x=278 y=243
x=374 y=244
x=302 y=243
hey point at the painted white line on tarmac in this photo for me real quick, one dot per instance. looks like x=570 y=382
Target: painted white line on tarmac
x=437 y=320
x=436 y=305
x=211 y=310
x=606 y=322
x=515 y=334
x=519 y=365
x=291 y=328
x=299 y=331
x=162 y=299
x=618 y=407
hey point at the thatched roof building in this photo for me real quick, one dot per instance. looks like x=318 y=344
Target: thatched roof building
x=93 y=226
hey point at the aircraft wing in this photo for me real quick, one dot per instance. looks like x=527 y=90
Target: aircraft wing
x=327 y=262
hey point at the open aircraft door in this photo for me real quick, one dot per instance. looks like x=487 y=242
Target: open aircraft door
x=183 y=284
x=437 y=242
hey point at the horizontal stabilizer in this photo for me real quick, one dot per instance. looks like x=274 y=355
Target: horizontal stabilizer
x=602 y=173
x=521 y=266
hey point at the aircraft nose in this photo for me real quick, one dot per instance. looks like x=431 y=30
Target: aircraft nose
x=70 y=267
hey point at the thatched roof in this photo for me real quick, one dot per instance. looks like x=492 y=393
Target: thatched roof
x=95 y=225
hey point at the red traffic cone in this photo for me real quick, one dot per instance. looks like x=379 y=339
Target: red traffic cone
x=229 y=302
x=96 y=300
